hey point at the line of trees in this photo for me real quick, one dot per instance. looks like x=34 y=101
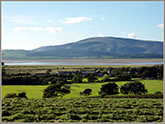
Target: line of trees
x=36 y=79
x=120 y=74
x=154 y=72
x=137 y=88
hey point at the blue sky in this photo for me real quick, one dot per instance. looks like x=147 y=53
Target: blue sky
x=29 y=25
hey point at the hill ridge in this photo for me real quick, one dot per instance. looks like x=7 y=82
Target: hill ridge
x=110 y=44
x=99 y=47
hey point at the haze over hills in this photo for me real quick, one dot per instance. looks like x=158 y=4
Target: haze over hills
x=109 y=47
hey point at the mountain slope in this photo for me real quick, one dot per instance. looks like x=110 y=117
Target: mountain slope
x=96 y=47
x=111 y=44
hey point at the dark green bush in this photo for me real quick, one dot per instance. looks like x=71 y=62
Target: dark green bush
x=22 y=95
x=86 y=92
x=77 y=78
x=102 y=95
x=10 y=95
x=133 y=88
x=56 y=90
x=158 y=92
x=14 y=95
x=109 y=89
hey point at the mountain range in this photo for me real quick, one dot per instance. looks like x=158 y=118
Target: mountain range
x=95 y=47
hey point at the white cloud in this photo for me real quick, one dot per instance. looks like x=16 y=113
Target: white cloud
x=160 y=26
x=59 y=29
x=53 y=30
x=100 y=34
x=50 y=21
x=131 y=35
x=102 y=18
x=123 y=33
x=50 y=29
x=36 y=29
x=76 y=20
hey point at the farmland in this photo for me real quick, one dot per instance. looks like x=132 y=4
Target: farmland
x=82 y=110
x=37 y=91
x=33 y=69
x=74 y=107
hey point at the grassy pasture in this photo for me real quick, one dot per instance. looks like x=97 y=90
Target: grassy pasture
x=37 y=91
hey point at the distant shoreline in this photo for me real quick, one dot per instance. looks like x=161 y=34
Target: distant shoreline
x=90 y=60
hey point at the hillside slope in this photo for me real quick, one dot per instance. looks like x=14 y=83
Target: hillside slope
x=111 y=44
x=96 y=47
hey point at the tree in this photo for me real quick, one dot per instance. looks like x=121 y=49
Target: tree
x=133 y=72
x=2 y=63
x=22 y=95
x=48 y=71
x=160 y=71
x=86 y=92
x=10 y=95
x=106 y=78
x=109 y=89
x=14 y=95
x=92 y=78
x=133 y=88
x=77 y=78
x=3 y=71
x=123 y=77
x=56 y=90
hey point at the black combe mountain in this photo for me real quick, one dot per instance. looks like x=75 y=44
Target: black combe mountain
x=96 y=47
x=110 y=45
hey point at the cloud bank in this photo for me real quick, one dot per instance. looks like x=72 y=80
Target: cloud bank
x=75 y=20
x=50 y=29
x=129 y=35
x=161 y=26
x=50 y=21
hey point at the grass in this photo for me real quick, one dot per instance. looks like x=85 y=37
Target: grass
x=37 y=91
x=31 y=91
x=82 y=110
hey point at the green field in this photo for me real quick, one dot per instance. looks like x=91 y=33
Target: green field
x=82 y=110
x=36 y=91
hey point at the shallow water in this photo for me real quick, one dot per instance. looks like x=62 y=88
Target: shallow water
x=9 y=62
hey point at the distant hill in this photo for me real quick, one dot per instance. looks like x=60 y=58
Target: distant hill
x=92 y=48
x=111 y=44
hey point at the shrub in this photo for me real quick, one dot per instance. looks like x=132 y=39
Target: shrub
x=86 y=92
x=77 y=78
x=133 y=88
x=102 y=95
x=14 y=95
x=81 y=93
x=22 y=95
x=158 y=92
x=106 y=78
x=56 y=90
x=92 y=78
x=10 y=95
x=109 y=89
